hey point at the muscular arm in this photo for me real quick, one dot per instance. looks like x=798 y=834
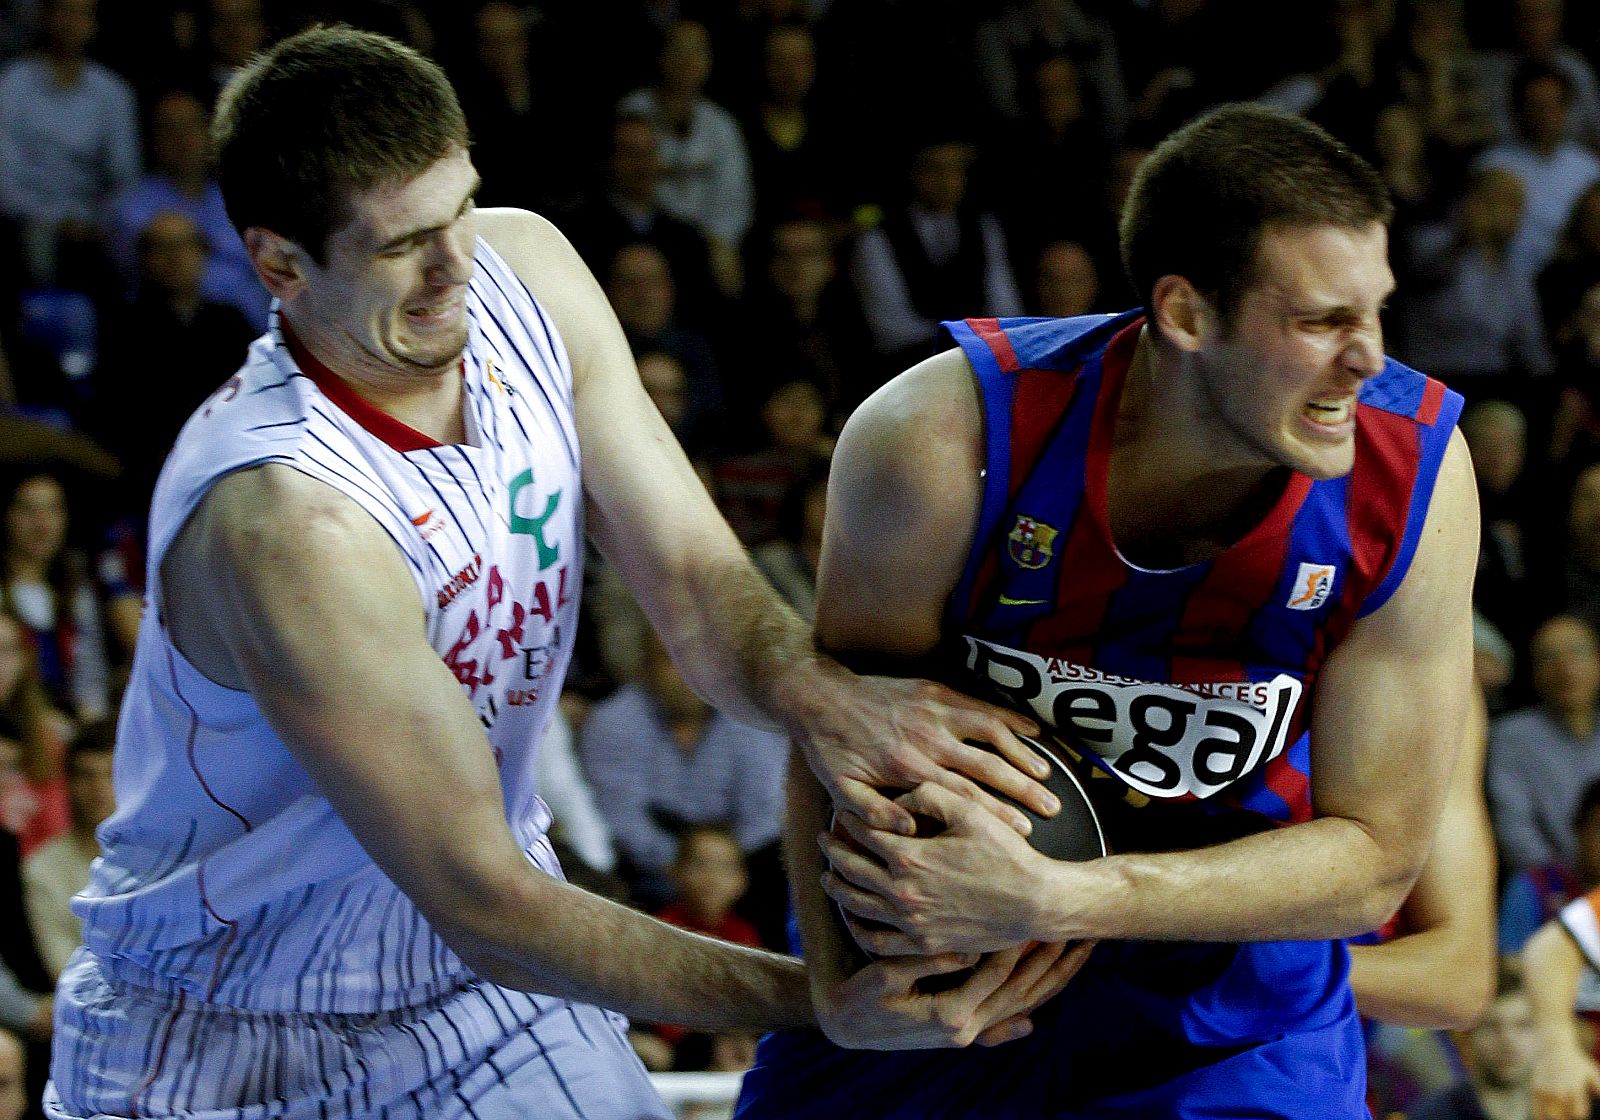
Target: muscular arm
x=1440 y=972
x=282 y=586
x=735 y=640
x=1389 y=712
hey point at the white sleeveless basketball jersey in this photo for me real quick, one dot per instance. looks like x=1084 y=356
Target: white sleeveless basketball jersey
x=227 y=875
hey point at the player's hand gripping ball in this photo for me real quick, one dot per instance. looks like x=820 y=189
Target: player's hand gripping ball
x=1074 y=834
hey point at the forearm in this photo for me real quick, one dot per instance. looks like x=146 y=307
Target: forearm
x=1422 y=980
x=829 y=956
x=1552 y=965
x=548 y=936
x=1324 y=878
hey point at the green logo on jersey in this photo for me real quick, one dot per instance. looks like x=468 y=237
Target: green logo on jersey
x=534 y=526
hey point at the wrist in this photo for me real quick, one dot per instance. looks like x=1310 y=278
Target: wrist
x=1080 y=901
x=801 y=687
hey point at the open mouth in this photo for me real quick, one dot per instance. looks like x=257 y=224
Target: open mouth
x=1329 y=412
x=434 y=314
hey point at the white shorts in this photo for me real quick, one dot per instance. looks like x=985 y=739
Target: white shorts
x=481 y=1051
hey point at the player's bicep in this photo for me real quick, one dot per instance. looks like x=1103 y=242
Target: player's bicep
x=903 y=499
x=1392 y=700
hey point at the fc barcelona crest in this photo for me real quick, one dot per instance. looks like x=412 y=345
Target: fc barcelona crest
x=1031 y=542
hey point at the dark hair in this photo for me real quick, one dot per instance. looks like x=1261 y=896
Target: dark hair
x=1587 y=804
x=96 y=737
x=1200 y=201
x=322 y=115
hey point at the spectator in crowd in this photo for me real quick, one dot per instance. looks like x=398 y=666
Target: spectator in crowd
x=180 y=182
x=235 y=30
x=1008 y=45
x=1535 y=895
x=506 y=96
x=1497 y=435
x=659 y=756
x=1500 y=1052
x=59 y=870
x=1574 y=270
x=789 y=561
x=799 y=320
x=1066 y=282
x=641 y=289
x=1440 y=78
x=1554 y=170
x=752 y=488
x=69 y=139
x=1469 y=315
x=172 y=332
x=710 y=876
x=1400 y=154
x=707 y=167
x=25 y=1002
x=13 y=1076
x=1066 y=153
x=47 y=586
x=627 y=211
x=1575 y=425
x=1537 y=28
x=937 y=257
x=1580 y=572
x=34 y=804
x=794 y=153
x=1542 y=758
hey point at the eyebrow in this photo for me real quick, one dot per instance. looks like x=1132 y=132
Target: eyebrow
x=410 y=235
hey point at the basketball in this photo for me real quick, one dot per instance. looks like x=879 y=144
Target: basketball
x=1075 y=833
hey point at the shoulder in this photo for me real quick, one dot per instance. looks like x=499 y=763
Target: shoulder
x=549 y=267
x=1518 y=729
x=105 y=82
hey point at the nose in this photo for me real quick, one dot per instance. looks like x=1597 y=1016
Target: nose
x=1363 y=351
x=450 y=258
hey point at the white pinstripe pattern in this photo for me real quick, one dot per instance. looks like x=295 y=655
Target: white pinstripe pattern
x=227 y=879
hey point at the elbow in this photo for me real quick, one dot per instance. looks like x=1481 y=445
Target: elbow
x=479 y=908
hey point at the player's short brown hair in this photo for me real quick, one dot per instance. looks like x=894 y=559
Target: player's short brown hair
x=322 y=115
x=1200 y=201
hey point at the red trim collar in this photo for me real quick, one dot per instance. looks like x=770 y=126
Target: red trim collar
x=397 y=434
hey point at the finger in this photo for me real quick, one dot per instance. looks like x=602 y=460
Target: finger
x=1010 y=1030
x=980 y=719
x=861 y=904
x=860 y=869
x=900 y=974
x=993 y=772
x=858 y=799
x=877 y=841
x=890 y=942
x=1060 y=973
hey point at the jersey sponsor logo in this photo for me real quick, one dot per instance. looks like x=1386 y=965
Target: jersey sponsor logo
x=534 y=526
x=459 y=582
x=1313 y=584
x=1031 y=543
x=228 y=391
x=428 y=525
x=1164 y=740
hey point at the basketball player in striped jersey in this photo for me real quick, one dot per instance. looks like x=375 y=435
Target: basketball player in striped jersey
x=1226 y=548
x=327 y=890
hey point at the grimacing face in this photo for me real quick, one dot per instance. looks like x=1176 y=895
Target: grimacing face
x=395 y=282
x=1281 y=378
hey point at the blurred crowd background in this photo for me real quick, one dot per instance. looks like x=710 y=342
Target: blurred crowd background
x=782 y=198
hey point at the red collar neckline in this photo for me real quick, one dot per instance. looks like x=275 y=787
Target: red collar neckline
x=396 y=433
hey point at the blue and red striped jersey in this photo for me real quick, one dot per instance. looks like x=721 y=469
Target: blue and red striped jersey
x=1187 y=693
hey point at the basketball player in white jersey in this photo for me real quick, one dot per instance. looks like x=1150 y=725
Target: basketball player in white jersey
x=327 y=889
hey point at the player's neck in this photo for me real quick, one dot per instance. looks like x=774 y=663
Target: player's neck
x=1177 y=482
x=429 y=401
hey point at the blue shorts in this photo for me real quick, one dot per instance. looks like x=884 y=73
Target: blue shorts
x=1109 y=1047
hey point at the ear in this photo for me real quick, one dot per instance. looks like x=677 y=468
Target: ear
x=278 y=261
x=1180 y=313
